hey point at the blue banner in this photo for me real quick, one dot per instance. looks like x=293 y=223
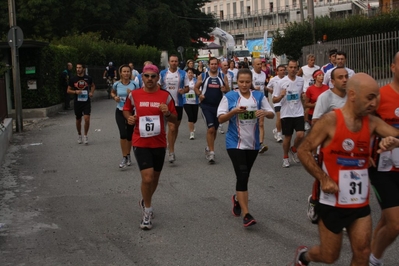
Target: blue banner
x=257 y=45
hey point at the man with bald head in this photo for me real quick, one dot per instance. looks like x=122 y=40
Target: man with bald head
x=344 y=137
x=384 y=175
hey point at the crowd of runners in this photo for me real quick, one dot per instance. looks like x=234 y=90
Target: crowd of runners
x=346 y=130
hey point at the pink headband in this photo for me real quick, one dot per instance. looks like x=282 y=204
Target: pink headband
x=319 y=72
x=151 y=68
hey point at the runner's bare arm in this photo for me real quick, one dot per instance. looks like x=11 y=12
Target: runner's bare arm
x=379 y=127
x=300 y=72
x=70 y=90
x=226 y=85
x=170 y=117
x=321 y=133
x=198 y=85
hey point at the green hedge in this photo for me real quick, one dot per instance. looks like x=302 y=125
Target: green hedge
x=94 y=51
x=297 y=35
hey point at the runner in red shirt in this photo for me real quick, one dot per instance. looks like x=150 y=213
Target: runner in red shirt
x=385 y=175
x=153 y=109
x=344 y=137
x=313 y=92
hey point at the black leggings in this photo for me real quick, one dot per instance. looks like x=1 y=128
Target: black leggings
x=242 y=160
x=125 y=130
x=192 y=112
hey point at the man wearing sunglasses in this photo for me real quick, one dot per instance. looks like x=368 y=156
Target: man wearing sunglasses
x=154 y=108
x=175 y=81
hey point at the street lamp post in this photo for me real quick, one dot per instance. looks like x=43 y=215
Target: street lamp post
x=15 y=65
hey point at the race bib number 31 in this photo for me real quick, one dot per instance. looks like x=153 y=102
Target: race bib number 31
x=150 y=126
x=353 y=186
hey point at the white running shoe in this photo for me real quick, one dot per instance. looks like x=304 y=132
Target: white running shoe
x=279 y=137
x=141 y=204
x=286 y=163
x=263 y=148
x=275 y=133
x=220 y=129
x=86 y=140
x=294 y=156
x=129 y=160
x=312 y=215
x=192 y=135
x=146 y=223
x=206 y=152
x=172 y=157
x=211 y=157
x=80 y=139
x=123 y=164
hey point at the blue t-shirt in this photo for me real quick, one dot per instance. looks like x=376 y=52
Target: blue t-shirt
x=211 y=89
x=121 y=91
x=327 y=67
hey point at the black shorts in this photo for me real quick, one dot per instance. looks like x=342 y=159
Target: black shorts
x=336 y=219
x=150 y=158
x=289 y=124
x=209 y=113
x=277 y=108
x=192 y=112
x=386 y=187
x=82 y=109
x=179 y=110
x=125 y=130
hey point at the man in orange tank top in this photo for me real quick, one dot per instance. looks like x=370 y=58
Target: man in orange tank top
x=344 y=136
x=384 y=176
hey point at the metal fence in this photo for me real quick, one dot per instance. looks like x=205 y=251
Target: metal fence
x=370 y=54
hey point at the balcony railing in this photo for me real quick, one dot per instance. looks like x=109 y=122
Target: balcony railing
x=276 y=10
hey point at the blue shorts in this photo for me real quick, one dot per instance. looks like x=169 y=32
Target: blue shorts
x=209 y=113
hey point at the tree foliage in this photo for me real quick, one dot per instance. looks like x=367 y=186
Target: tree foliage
x=165 y=24
x=297 y=35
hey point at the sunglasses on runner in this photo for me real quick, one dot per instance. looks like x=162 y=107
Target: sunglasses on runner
x=148 y=75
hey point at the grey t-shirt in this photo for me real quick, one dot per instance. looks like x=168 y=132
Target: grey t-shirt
x=326 y=102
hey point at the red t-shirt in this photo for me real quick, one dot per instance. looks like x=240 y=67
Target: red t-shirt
x=149 y=131
x=388 y=110
x=313 y=93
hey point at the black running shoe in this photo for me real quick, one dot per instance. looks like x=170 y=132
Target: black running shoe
x=236 y=206
x=249 y=220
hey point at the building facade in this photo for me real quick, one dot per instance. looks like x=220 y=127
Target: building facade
x=249 y=19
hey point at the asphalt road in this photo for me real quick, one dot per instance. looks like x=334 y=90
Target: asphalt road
x=62 y=203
